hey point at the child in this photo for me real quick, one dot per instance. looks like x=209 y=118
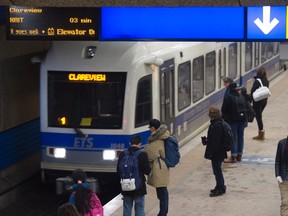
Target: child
x=85 y=200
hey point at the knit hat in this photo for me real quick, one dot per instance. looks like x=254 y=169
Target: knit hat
x=233 y=85
x=154 y=123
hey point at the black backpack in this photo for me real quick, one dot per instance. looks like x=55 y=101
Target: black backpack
x=238 y=108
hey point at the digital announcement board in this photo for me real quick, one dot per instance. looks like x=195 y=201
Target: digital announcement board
x=53 y=23
x=172 y=23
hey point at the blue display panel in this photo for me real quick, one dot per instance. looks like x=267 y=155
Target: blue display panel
x=3 y=15
x=266 y=22
x=172 y=23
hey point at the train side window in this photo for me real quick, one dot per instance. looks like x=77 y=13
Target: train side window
x=256 y=51
x=184 y=85
x=248 y=55
x=210 y=72
x=144 y=101
x=198 y=78
x=275 y=48
x=232 y=61
x=263 y=52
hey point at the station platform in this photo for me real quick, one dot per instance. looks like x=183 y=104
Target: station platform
x=252 y=188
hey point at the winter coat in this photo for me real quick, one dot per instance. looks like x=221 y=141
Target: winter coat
x=159 y=176
x=143 y=168
x=281 y=163
x=256 y=85
x=215 y=149
x=97 y=209
x=229 y=108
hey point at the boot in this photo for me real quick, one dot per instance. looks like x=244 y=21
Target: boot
x=231 y=160
x=260 y=136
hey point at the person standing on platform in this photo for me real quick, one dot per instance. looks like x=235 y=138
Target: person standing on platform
x=159 y=176
x=259 y=106
x=137 y=196
x=234 y=113
x=281 y=173
x=215 y=150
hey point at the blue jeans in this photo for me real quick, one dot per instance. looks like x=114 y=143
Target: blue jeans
x=162 y=195
x=238 y=138
x=139 y=205
x=217 y=171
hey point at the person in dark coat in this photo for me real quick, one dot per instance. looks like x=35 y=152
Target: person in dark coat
x=215 y=150
x=136 y=196
x=236 y=118
x=281 y=173
x=259 y=106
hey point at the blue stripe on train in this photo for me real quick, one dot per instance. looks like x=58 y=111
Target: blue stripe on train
x=91 y=142
x=19 y=143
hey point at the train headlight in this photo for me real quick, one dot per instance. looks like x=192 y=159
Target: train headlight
x=57 y=152
x=109 y=155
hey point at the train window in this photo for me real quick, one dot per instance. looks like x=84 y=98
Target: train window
x=275 y=48
x=248 y=55
x=266 y=51
x=198 y=78
x=86 y=100
x=184 y=85
x=210 y=72
x=232 y=61
x=144 y=101
x=256 y=51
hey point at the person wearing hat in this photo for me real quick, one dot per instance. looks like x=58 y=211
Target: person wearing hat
x=234 y=113
x=159 y=176
x=215 y=150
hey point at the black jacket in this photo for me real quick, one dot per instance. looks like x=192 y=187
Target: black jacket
x=144 y=169
x=215 y=149
x=230 y=110
x=281 y=163
x=256 y=85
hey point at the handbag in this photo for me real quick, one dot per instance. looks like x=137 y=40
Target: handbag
x=261 y=93
x=250 y=112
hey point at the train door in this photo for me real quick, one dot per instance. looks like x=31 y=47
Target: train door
x=167 y=93
x=221 y=66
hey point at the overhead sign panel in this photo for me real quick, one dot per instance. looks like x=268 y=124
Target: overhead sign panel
x=266 y=22
x=172 y=23
x=53 y=23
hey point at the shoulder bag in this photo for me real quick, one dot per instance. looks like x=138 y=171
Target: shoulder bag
x=261 y=93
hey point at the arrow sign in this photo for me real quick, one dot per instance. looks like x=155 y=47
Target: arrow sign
x=266 y=26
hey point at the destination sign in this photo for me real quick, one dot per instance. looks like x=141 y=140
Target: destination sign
x=50 y=23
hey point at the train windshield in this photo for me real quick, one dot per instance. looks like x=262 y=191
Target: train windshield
x=86 y=100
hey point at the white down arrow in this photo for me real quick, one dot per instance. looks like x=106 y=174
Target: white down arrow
x=266 y=26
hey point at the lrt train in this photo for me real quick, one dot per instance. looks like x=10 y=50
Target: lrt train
x=95 y=95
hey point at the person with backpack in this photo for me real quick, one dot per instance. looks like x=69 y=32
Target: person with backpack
x=136 y=196
x=234 y=113
x=85 y=200
x=259 y=106
x=159 y=176
x=215 y=149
